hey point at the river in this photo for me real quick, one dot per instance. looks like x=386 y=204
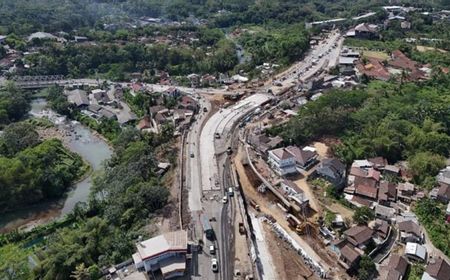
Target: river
x=78 y=139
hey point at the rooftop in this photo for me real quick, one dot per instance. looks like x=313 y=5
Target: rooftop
x=171 y=241
x=359 y=234
x=415 y=249
x=439 y=270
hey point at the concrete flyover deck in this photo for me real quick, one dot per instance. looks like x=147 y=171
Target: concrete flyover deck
x=222 y=122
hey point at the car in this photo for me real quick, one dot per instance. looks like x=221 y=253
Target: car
x=229 y=151
x=230 y=191
x=225 y=199
x=192 y=155
x=212 y=249
x=214 y=265
x=217 y=135
x=205 y=109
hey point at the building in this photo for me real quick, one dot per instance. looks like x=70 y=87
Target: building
x=359 y=236
x=387 y=193
x=282 y=162
x=443 y=194
x=405 y=191
x=42 y=36
x=409 y=231
x=384 y=212
x=347 y=65
x=164 y=253
x=349 y=257
x=437 y=270
x=332 y=170
x=263 y=143
x=304 y=158
x=78 y=97
x=416 y=252
x=443 y=177
x=366 y=31
x=294 y=193
x=396 y=268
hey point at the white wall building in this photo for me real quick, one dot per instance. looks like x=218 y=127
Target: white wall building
x=282 y=162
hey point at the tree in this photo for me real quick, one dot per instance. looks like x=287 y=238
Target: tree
x=363 y=215
x=18 y=136
x=366 y=268
x=329 y=218
x=424 y=166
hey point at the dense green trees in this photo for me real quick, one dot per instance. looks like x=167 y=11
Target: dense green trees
x=17 y=137
x=44 y=171
x=124 y=199
x=363 y=215
x=432 y=215
x=366 y=268
x=409 y=122
x=14 y=104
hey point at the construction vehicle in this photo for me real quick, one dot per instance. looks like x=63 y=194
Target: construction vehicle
x=254 y=205
x=301 y=228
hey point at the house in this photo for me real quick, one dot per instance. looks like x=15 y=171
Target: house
x=2 y=39
x=126 y=116
x=144 y=124
x=332 y=170
x=387 y=193
x=400 y=61
x=405 y=191
x=378 y=162
x=282 y=162
x=263 y=143
x=386 y=213
x=381 y=228
x=165 y=253
x=187 y=103
x=443 y=194
x=359 y=236
x=107 y=114
x=78 y=97
x=80 y=39
x=172 y=92
x=443 y=178
x=410 y=232
x=396 y=268
x=347 y=65
x=294 y=193
x=373 y=69
x=416 y=252
x=391 y=170
x=366 y=31
x=365 y=190
x=304 y=158
x=437 y=270
x=349 y=257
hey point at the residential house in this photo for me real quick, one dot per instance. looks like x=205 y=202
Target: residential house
x=373 y=69
x=172 y=92
x=410 y=232
x=263 y=143
x=126 y=116
x=378 y=163
x=294 y=193
x=304 y=158
x=405 y=192
x=437 y=270
x=381 y=228
x=187 y=103
x=282 y=162
x=347 y=65
x=443 y=178
x=107 y=114
x=349 y=257
x=100 y=96
x=144 y=124
x=164 y=253
x=366 y=31
x=387 y=193
x=384 y=212
x=443 y=194
x=396 y=268
x=391 y=170
x=359 y=236
x=332 y=170
x=78 y=97
x=416 y=252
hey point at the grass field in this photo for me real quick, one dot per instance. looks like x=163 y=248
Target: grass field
x=375 y=54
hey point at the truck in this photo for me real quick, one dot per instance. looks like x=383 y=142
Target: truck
x=207 y=229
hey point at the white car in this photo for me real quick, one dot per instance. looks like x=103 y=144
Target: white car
x=212 y=249
x=225 y=199
x=214 y=265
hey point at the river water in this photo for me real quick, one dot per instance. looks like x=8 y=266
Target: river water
x=78 y=139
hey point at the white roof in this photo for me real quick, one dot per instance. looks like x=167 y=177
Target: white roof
x=416 y=250
x=171 y=241
x=346 y=60
x=362 y=163
x=41 y=35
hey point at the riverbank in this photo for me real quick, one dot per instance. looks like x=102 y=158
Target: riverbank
x=92 y=148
